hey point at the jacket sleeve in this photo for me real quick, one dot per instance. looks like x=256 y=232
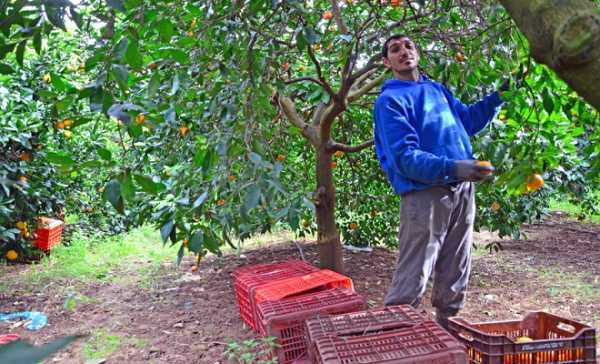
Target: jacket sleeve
x=475 y=116
x=401 y=147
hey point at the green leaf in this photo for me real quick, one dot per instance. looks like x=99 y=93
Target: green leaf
x=311 y=36
x=153 y=85
x=252 y=197
x=60 y=158
x=37 y=41
x=104 y=154
x=211 y=243
x=112 y=193
x=133 y=56
x=116 y=4
x=197 y=241
x=56 y=15
x=127 y=187
x=146 y=183
x=309 y=204
x=165 y=29
x=6 y=69
x=167 y=229
x=180 y=254
x=90 y=164
x=200 y=200
x=22 y=352
x=121 y=75
x=21 y=52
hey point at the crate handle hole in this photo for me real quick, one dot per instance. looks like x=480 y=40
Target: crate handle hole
x=566 y=327
x=466 y=336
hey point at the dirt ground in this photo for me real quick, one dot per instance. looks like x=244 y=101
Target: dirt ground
x=185 y=317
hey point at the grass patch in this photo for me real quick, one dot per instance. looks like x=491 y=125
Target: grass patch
x=570 y=284
x=99 y=259
x=562 y=205
x=101 y=345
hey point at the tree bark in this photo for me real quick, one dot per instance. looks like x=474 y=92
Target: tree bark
x=330 y=246
x=565 y=36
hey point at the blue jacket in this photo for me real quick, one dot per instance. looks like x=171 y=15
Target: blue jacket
x=421 y=129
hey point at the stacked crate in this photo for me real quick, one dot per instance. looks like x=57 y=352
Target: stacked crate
x=396 y=334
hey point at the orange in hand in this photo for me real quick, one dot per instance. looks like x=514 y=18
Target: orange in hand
x=485 y=164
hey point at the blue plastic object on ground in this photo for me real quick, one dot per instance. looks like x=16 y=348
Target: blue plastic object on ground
x=38 y=319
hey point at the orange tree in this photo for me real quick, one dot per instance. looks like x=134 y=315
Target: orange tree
x=232 y=116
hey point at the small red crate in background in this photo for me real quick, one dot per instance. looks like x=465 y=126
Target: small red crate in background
x=48 y=233
x=549 y=339
x=284 y=319
x=424 y=342
x=246 y=279
x=311 y=282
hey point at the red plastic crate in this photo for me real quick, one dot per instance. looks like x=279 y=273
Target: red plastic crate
x=284 y=319
x=311 y=282
x=247 y=278
x=48 y=233
x=425 y=343
x=363 y=322
x=554 y=340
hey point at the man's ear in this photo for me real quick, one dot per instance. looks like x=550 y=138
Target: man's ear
x=386 y=62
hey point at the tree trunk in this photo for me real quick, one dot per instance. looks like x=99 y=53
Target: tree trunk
x=330 y=246
x=565 y=36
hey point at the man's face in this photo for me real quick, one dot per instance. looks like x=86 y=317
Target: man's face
x=402 y=56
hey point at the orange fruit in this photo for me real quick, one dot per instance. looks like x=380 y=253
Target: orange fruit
x=285 y=66
x=339 y=154
x=152 y=65
x=190 y=34
x=140 y=119
x=25 y=157
x=327 y=15
x=353 y=226
x=186 y=243
x=221 y=202
x=280 y=157
x=21 y=225
x=459 y=57
x=231 y=178
x=60 y=125
x=485 y=164
x=183 y=131
x=67 y=122
x=395 y=3
x=534 y=182
x=495 y=207
x=333 y=165
x=23 y=179
x=12 y=255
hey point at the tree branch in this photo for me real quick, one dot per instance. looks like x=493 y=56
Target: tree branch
x=300 y=79
x=324 y=83
x=289 y=109
x=337 y=14
x=335 y=146
x=366 y=88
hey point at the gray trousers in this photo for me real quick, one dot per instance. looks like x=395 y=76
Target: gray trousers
x=436 y=235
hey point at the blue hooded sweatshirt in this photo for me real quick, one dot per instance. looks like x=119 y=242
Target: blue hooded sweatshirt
x=421 y=129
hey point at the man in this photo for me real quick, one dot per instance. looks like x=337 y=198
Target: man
x=422 y=142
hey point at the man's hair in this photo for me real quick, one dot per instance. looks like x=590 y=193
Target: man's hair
x=391 y=38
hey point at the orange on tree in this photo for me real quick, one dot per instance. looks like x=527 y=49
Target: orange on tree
x=25 y=157
x=186 y=243
x=327 y=15
x=140 y=119
x=21 y=225
x=484 y=164
x=339 y=153
x=495 y=207
x=67 y=122
x=12 y=255
x=459 y=57
x=534 y=182
x=285 y=66
x=60 y=125
x=221 y=202
x=231 y=178
x=152 y=65
x=395 y=3
x=333 y=165
x=183 y=131
x=190 y=34
x=353 y=226
x=280 y=157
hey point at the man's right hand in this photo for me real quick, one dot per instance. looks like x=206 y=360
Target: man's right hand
x=470 y=170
